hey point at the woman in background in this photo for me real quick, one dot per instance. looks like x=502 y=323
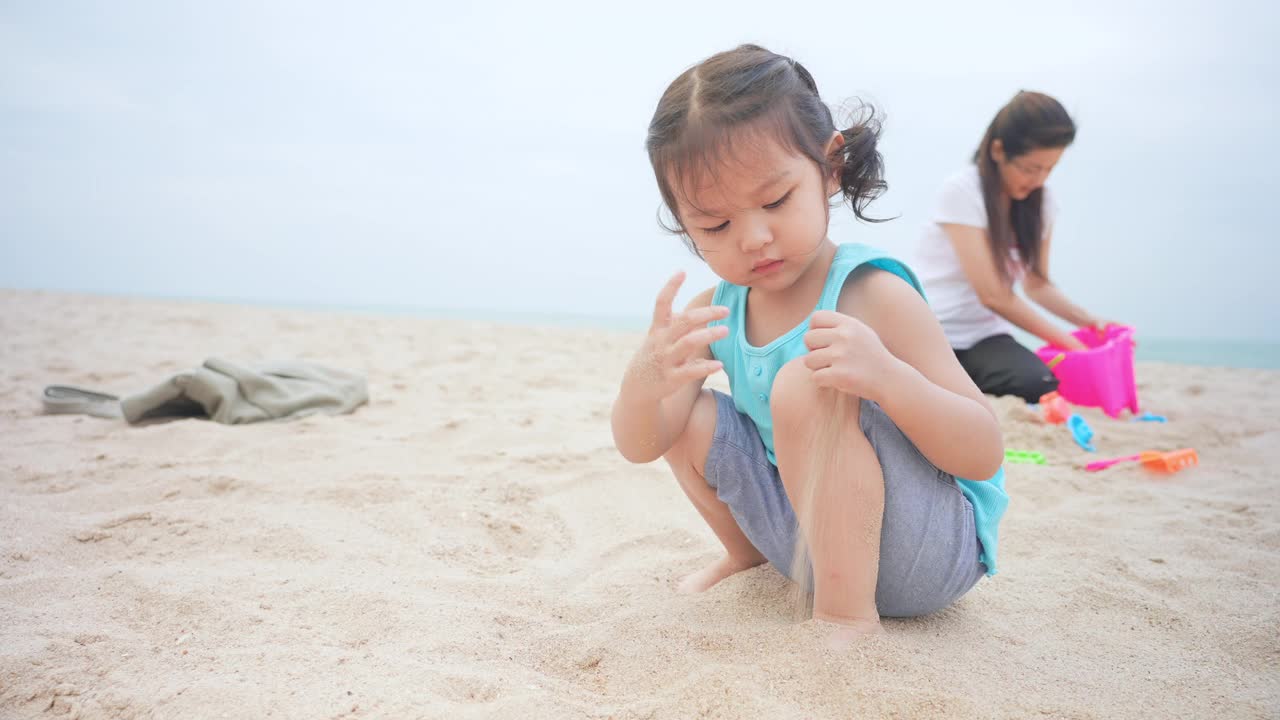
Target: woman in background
x=990 y=230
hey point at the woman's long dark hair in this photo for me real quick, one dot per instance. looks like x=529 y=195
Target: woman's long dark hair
x=1030 y=121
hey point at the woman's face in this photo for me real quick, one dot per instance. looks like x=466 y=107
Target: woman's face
x=1024 y=174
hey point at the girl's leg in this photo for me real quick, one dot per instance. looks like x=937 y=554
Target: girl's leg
x=841 y=521
x=687 y=459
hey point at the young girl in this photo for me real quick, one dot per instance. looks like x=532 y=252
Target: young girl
x=970 y=264
x=814 y=338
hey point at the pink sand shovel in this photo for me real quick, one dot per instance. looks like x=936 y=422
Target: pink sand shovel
x=1172 y=461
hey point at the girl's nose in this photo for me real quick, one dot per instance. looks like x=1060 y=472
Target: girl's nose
x=756 y=235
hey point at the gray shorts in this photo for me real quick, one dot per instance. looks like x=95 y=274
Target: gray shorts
x=928 y=545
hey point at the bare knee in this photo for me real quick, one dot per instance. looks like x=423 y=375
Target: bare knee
x=797 y=403
x=694 y=443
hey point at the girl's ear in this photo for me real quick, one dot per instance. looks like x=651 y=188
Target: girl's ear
x=836 y=158
x=997 y=151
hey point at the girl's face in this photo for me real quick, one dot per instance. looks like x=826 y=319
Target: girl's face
x=761 y=219
x=1026 y=173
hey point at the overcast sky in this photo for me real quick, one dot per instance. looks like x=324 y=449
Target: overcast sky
x=490 y=156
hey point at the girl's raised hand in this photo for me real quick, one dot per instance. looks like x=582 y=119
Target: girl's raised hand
x=675 y=352
x=846 y=354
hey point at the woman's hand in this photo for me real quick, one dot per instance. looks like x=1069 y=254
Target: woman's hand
x=846 y=354
x=1069 y=342
x=675 y=350
x=1100 y=325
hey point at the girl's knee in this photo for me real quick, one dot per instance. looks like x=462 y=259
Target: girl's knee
x=694 y=442
x=796 y=401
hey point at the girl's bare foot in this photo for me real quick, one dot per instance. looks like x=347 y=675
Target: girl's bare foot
x=714 y=573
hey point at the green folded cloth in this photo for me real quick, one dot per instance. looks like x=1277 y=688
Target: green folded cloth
x=226 y=393
x=67 y=400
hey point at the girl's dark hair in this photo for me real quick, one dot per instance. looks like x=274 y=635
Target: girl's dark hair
x=1030 y=121
x=750 y=88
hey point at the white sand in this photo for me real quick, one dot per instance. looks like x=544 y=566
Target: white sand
x=470 y=545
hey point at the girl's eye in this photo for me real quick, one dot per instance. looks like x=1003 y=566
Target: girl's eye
x=771 y=206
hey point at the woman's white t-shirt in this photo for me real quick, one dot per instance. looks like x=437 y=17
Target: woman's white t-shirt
x=964 y=318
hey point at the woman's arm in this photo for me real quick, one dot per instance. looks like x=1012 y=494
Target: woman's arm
x=974 y=253
x=925 y=392
x=1047 y=295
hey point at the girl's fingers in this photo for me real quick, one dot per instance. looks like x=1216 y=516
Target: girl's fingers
x=819 y=359
x=666 y=298
x=692 y=341
x=699 y=369
x=686 y=321
x=826 y=377
x=826 y=319
x=815 y=339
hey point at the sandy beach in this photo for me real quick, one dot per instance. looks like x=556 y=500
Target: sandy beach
x=470 y=545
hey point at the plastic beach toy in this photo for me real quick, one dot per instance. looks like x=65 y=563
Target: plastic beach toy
x=1102 y=375
x=1171 y=461
x=1081 y=432
x=1054 y=409
x=1150 y=417
x=1030 y=457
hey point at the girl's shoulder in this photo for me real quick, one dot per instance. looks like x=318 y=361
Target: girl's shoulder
x=851 y=256
x=856 y=262
x=876 y=283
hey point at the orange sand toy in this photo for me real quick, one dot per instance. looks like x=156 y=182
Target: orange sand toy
x=1054 y=408
x=1170 y=462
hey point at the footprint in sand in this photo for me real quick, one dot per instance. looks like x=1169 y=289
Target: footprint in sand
x=100 y=533
x=221 y=484
x=470 y=690
x=524 y=534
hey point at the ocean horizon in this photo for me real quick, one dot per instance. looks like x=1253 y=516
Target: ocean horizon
x=1207 y=352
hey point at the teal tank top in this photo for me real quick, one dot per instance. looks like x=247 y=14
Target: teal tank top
x=751 y=371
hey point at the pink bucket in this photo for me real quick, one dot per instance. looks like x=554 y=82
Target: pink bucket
x=1101 y=376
